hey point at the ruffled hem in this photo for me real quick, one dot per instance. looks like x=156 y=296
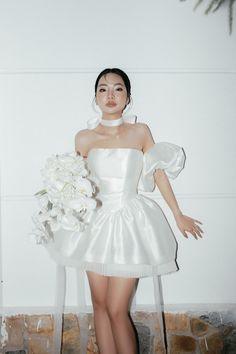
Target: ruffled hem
x=130 y=270
x=119 y=270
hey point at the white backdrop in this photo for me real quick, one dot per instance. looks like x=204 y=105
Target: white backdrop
x=182 y=69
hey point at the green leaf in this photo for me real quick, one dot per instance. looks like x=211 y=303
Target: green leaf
x=42 y=192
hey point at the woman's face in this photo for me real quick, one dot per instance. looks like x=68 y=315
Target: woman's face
x=111 y=95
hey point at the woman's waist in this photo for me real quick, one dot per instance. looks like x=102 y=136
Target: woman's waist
x=115 y=200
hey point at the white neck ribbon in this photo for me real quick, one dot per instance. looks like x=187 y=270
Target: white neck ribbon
x=93 y=122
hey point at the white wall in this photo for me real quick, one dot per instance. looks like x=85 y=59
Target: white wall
x=182 y=69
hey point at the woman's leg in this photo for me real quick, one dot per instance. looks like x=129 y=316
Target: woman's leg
x=104 y=337
x=120 y=291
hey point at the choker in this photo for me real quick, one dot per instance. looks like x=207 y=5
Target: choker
x=93 y=122
x=112 y=122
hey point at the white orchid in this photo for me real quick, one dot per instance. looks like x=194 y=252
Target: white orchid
x=82 y=203
x=67 y=197
x=84 y=186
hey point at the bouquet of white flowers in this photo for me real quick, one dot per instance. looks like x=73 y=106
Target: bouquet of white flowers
x=67 y=199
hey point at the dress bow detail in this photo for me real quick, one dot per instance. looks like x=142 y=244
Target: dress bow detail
x=94 y=121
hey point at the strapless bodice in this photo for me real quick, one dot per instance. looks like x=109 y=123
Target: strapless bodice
x=125 y=171
x=116 y=170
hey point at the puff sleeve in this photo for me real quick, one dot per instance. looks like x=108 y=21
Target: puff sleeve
x=166 y=156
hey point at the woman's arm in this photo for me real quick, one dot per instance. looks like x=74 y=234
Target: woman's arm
x=82 y=139
x=184 y=223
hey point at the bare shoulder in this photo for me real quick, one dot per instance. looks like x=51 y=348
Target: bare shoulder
x=143 y=128
x=82 y=135
x=82 y=140
x=145 y=134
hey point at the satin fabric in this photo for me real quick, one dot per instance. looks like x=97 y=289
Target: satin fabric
x=128 y=234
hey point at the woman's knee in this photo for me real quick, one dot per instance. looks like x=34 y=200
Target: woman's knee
x=116 y=313
x=99 y=304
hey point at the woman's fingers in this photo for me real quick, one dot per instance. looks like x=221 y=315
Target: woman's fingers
x=199 y=222
x=199 y=229
x=195 y=231
x=196 y=228
x=197 y=234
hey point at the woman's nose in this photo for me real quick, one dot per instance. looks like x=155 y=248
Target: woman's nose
x=111 y=94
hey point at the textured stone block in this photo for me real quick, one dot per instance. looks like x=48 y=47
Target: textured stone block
x=145 y=338
x=71 y=334
x=15 y=329
x=39 y=324
x=170 y=321
x=182 y=322
x=39 y=344
x=141 y=316
x=230 y=342
x=182 y=344
x=198 y=327
x=176 y=322
x=158 y=347
x=212 y=344
x=213 y=318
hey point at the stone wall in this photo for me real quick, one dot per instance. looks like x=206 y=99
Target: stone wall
x=187 y=332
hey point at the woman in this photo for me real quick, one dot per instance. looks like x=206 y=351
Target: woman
x=129 y=236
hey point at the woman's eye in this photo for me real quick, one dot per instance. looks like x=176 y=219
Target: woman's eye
x=101 y=90
x=119 y=89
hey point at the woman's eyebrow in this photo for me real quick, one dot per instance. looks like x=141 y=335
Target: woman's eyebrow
x=118 y=83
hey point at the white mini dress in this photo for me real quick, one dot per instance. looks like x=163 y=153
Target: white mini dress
x=128 y=234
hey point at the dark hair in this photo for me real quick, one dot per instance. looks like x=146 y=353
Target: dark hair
x=119 y=72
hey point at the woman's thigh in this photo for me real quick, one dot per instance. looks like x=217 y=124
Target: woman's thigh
x=119 y=294
x=114 y=293
x=98 y=286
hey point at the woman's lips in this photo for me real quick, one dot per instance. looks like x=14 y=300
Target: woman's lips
x=111 y=104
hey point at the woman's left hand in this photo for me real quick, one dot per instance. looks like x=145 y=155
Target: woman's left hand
x=185 y=223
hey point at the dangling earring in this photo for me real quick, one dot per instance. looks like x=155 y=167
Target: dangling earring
x=130 y=105
x=94 y=106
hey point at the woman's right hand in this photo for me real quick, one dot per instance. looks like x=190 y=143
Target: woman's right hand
x=187 y=224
